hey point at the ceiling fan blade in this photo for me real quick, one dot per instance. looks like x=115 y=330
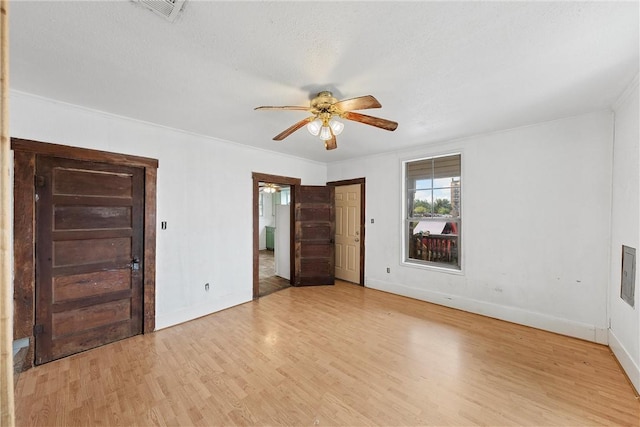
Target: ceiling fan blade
x=359 y=103
x=285 y=107
x=292 y=129
x=331 y=144
x=369 y=120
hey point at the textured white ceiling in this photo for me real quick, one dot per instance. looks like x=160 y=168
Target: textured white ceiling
x=442 y=70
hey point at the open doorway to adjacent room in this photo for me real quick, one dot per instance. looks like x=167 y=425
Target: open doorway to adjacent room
x=273 y=213
x=275 y=230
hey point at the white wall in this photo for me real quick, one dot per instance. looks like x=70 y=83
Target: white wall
x=204 y=193
x=542 y=223
x=536 y=225
x=624 y=333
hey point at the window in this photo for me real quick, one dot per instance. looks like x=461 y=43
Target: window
x=283 y=197
x=432 y=221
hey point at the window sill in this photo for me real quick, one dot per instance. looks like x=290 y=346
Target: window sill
x=422 y=265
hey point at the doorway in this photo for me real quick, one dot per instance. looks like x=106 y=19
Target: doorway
x=267 y=202
x=311 y=240
x=274 y=237
x=73 y=223
x=350 y=229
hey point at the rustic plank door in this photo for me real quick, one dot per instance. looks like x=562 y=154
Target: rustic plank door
x=89 y=250
x=314 y=235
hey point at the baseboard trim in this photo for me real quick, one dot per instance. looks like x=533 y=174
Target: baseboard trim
x=625 y=360
x=200 y=310
x=536 y=320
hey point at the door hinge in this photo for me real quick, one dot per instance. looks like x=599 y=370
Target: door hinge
x=39 y=180
x=38 y=329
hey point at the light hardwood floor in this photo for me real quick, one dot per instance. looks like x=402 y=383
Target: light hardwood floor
x=333 y=355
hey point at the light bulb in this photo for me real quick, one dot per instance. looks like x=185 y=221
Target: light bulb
x=325 y=133
x=336 y=126
x=314 y=127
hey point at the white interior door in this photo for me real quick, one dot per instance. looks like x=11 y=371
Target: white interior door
x=348 y=233
x=282 y=241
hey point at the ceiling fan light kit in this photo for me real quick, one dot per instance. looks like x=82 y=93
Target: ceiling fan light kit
x=314 y=127
x=324 y=109
x=269 y=188
x=336 y=126
x=325 y=133
x=325 y=130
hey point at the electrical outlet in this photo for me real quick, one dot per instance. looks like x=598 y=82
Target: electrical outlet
x=206 y=286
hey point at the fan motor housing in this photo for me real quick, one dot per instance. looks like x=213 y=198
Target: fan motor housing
x=323 y=101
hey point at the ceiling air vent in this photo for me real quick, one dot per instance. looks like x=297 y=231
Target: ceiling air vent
x=168 y=9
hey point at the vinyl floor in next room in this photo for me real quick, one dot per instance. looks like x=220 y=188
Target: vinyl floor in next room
x=268 y=280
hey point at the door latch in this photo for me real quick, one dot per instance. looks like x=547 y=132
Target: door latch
x=135 y=264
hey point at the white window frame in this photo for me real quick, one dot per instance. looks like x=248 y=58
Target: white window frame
x=430 y=265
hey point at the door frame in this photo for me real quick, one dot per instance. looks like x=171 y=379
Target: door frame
x=258 y=177
x=362 y=182
x=24 y=154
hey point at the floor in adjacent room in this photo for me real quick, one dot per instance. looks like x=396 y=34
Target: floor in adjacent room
x=329 y=356
x=269 y=282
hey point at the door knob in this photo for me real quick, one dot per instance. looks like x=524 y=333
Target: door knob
x=357 y=240
x=135 y=264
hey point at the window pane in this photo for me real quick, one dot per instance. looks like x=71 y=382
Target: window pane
x=445 y=182
x=455 y=198
x=433 y=214
x=285 y=196
x=442 y=202
x=434 y=241
x=422 y=184
x=437 y=167
x=421 y=203
x=420 y=169
x=446 y=167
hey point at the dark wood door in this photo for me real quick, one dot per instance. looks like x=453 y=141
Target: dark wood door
x=314 y=235
x=89 y=251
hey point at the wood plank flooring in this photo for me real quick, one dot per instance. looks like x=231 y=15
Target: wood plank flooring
x=328 y=356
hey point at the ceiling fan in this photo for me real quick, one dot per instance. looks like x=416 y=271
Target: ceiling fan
x=266 y=187
x=325 y=108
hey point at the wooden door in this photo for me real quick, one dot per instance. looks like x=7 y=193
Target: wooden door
x=348 y=232
x=89 y=251
x=314 y=235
